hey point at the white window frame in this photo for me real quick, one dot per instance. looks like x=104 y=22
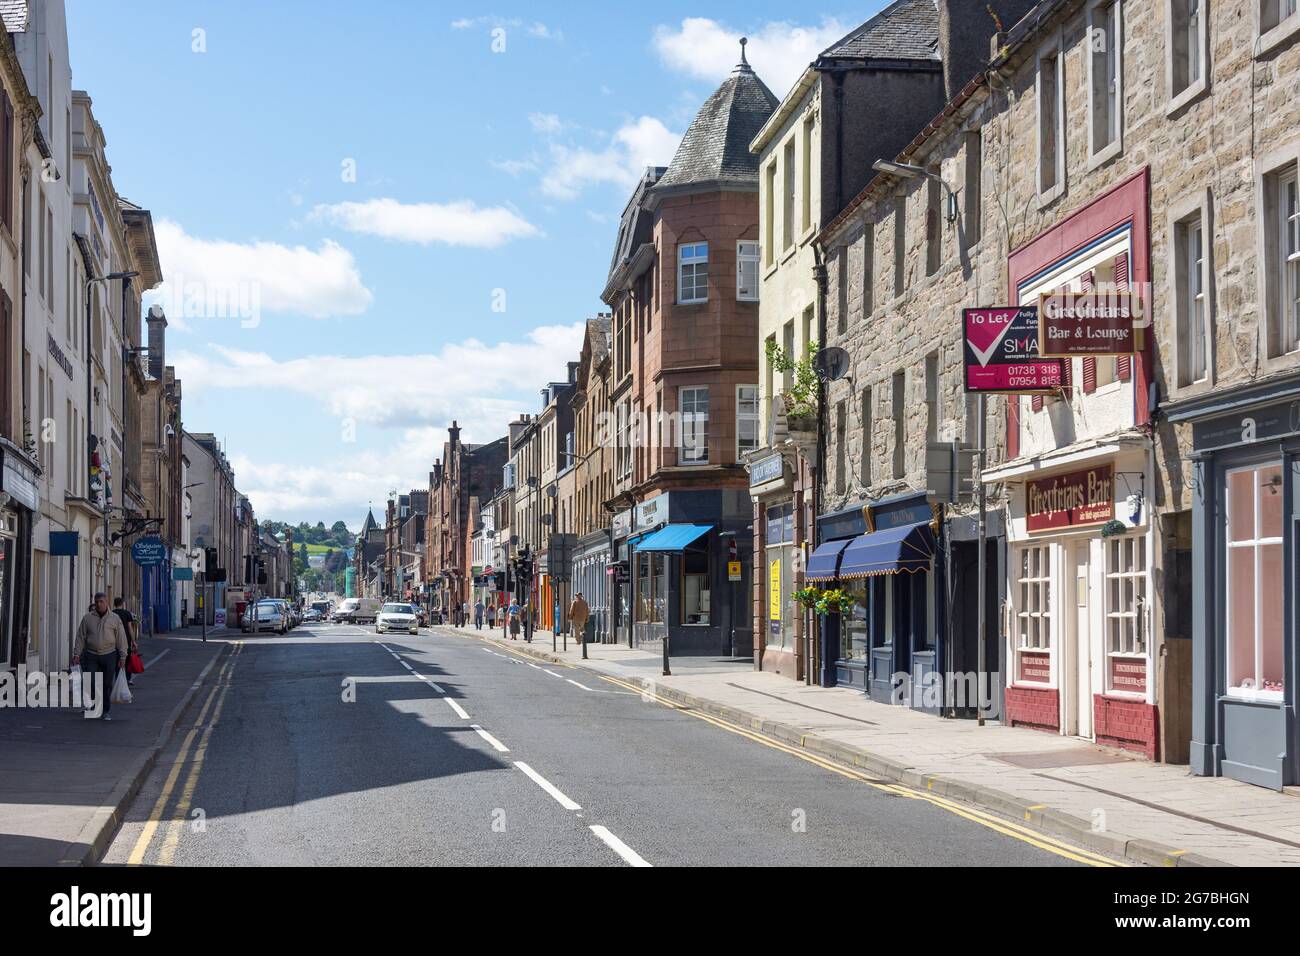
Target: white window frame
x=1194 y=212
x=1125 y=572
x=1288 y=259
x=1255 y=544
x=1277 y=21
x=1054 y=51
x=1040 y=609
x=696 y=261
x=748 y=253
x=1197 y=47
x=744 y=416
x=1108 y=16
x=693 y=422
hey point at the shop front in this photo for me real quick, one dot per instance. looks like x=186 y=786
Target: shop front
x=19 y=506
x=886 y=556
x=618 y=576
x=591 y=559
x=1079 y=598
x=681 y=573
x=779 y=553
x=1245 y=541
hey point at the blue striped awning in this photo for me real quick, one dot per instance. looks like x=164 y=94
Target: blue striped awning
x=674 y=537
x=909 y=547
x=824 y=563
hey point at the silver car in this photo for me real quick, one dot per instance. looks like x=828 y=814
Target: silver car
x=397 y=617
x=265 y=616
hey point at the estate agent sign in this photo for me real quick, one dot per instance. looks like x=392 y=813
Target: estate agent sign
x=1090 y=323
x=1001 y=352
x=1069 y=501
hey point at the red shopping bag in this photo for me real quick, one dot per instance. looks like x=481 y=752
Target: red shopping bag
x=134 y=665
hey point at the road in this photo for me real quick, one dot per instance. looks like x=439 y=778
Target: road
x=335 y=746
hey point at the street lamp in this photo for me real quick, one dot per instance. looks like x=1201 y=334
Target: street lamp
x=910 y=171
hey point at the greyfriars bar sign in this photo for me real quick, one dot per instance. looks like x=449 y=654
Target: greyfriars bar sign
x=1090 y=323
x=1070 y=501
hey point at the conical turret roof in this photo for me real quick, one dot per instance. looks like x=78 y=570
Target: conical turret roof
x=715 y=149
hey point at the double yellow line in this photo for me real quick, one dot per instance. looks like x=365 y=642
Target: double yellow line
x=988 y=820
x=202 y=731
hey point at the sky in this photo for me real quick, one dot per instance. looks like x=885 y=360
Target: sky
x=374 y=219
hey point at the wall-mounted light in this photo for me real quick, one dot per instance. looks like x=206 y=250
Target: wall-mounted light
x=908 y=171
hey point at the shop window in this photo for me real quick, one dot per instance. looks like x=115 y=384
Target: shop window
x=779 y=582
x=1253 y=610
x=855 y=635
x=1126 y=595
x=651 y=591
x=695 y=587
x=1034 y=598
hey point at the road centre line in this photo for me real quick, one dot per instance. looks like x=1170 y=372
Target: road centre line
x=546 y=785
x=496 y=744
x=460 y=711
x=629 y=855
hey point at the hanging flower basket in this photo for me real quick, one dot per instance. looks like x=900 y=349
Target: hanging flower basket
x=835 y=601
x=808 y=596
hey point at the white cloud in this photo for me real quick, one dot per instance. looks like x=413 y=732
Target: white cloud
x=251 y=277
x=460 y=223
x=537 y=30
x=779 y=51
x=636 y=145
x=545 y=122
x=513 y=167
x=482 y=386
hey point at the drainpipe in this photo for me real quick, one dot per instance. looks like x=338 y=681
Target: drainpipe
x=819 y=276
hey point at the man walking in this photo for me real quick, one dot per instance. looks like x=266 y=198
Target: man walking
x=101 y=648
x=478 y=614
x=131 y=628
x=579 y=612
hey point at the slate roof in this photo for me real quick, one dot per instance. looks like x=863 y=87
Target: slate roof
x=904 y=30
x=715 y=149
x=14 y=15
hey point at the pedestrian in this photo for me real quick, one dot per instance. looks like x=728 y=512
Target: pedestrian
x=579 y=612
x=101 y=648
x=491 y=616
x=478 y=614
x=132 y=631
x=514 y=620
x=464 y=614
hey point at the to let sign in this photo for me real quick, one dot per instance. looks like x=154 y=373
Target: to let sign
x=1090 y=323
x=1001 y=352
x=1069 y=501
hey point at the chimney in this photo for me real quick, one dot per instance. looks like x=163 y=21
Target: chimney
x=966 y=33
x=157 y=323
x=454 y=432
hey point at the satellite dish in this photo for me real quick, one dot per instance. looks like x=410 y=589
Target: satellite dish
x=832 y=363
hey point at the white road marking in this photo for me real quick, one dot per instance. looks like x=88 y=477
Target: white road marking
x=629 y=855
x=546 y=785
x=534 y=666
x=457 y=708
x=576 y=684
x=553 y=674
x=498 y=745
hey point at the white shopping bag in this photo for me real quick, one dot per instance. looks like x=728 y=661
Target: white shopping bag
x=121 y=690
x=78 y=693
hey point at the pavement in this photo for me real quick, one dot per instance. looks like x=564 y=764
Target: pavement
x=1147 y=813
x=336 y=746
x=67 y=781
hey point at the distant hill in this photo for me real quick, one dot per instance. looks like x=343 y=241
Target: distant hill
x=336 y=535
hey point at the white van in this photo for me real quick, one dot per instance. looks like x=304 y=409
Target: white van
x=357 y=611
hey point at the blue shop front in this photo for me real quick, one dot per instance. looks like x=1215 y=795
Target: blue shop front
x=1244 y=614
x=680 y=585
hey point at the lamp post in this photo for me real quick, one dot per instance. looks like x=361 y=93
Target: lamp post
x=125 y=278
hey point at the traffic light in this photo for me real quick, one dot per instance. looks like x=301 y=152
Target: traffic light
x=209 y=562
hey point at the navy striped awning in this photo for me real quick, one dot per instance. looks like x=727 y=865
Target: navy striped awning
x=824 y=563
x=909 y=547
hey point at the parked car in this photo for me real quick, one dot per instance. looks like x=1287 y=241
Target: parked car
x=312 y=616
x=397 y=617
x=265 y=616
